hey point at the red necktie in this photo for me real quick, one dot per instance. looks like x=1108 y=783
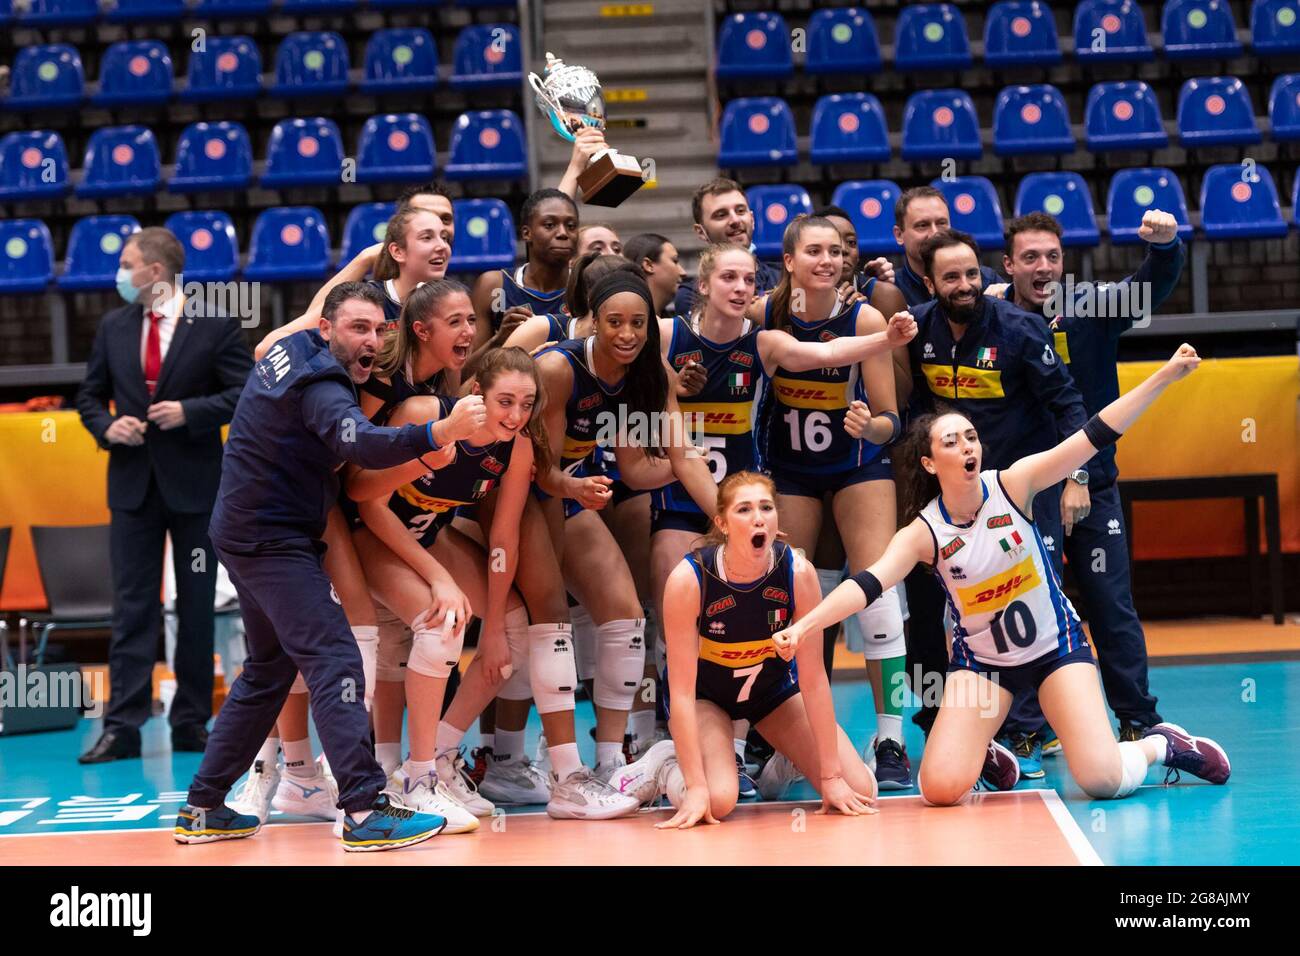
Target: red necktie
x=152 y=354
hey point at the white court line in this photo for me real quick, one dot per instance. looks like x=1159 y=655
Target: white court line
x=1074 y=836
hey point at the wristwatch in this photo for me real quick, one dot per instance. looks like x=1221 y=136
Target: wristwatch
x=1079 y=477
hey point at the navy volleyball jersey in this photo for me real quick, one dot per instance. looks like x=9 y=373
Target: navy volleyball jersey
x=739 y=669
x=804 y=421
x=428 y=504
x=514 y=293
x=728 y=405
x=588 y=398
x=392 y=305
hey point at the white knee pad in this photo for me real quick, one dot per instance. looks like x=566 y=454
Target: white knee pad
x=584 y=642
x=299 y=685
x=367 y=636
x=517 y=686
x=435 y=651
x=552 y=672
x=1135 y=767
x=620 y=662
x=882 y=628
x=393 y=648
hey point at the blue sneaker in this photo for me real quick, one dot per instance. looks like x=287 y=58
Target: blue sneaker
x=747 y=789
x=209 y=826
x=892 y=768
x=388 y=827
x=1029 y=754
x=1051 y=743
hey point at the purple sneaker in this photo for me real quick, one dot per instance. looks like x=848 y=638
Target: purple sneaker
x=1199 y=756
x=1001 y=768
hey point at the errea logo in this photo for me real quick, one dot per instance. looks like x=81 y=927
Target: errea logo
x=76 y=909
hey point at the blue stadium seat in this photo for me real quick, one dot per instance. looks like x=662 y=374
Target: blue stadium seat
x=1065 y=196
x=941 y=123
x=297 y=7
x=394 y=148
x=211 y=249
x=6 y=13
x=931 y=36
x=754 y=46
x=366 y=225
x=1133 y=191
x=1123 y=116
x=1284 y=107
x=26 y=256
x=311 y=63
x=1031 y=119
x=45 y=76
x=400 y=59
x=485 y=236
x=33 y=166
x=849 y=128
x=1114 y=27
x=1275 y=27
x=142 y=11
x=134 y=72
x=304 y=152
x=230 y=68
x=1233 y=208
x=870 y=204
x=973 y=207
x=842 y=41
x=487 y=144
x=94 y=248
x=758 y=131
x=1295 y=198
x=1021 y=33
x=774 y=208
x=58 y=13
x=487 y=55
x=120 y=161
x=289 y=242
x=1199 y=30
x=483 y=4
x=217 y=9
x=1216 y=110
x=212 y=156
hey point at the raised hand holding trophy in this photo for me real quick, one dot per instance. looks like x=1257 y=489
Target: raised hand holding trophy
x=570 y=97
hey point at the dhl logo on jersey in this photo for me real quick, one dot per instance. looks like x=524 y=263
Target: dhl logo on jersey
x=741 y=358
x=427 y=502
x=775 y=594
x=740 y=654
x=801 y=394
x=575 y=449
x=719 y=418
x=591 y=401
x=998 y=591
x=967 y=382
x=696 y=356
x=720 y=605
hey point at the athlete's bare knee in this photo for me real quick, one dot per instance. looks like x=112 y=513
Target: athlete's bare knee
x=943 y=791
x=1099 y=781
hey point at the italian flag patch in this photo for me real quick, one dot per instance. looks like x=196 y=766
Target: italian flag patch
x=1011 y=542
x=739 y=379
x=988 y=355
x=779 y=616
x=482 y=487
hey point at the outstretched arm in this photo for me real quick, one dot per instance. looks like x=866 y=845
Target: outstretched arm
x=354 y=271
x=780 y=349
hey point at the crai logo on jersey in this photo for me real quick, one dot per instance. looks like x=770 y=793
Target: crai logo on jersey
x=736 y=655
x=965 y=382
x=494 y=465
x=680 y=361
x=718 y=418
x=951 y=548
x=720 y=605
x=999 y=521
x=427 y=502
x=775 y=594
x=741 y=358
x=801 y=394
x=998 y=591
x=1012 y=544
x=591 y=401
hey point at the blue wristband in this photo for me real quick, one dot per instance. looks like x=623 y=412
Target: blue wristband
x=433 y=443
x=894 y=423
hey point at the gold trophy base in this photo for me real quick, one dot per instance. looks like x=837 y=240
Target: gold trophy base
x=610 y=179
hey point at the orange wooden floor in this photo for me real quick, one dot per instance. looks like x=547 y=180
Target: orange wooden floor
x=1018 y=828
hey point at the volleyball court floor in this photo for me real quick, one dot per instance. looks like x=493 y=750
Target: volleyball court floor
x=1236 y=681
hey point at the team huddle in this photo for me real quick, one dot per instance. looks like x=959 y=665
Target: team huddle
x=411 y=454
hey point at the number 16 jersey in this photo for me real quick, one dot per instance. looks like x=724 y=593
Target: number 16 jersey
x=1006 y=600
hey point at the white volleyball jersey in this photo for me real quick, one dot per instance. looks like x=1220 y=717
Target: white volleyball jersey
x=1006 y=601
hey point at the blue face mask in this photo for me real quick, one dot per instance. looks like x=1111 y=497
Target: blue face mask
x=124 y=288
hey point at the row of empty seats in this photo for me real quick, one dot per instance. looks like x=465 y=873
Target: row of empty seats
x=287 y=243
x=851 y=127
x=1016 y=33
x=393 y=147
x=1237 y=202
x=63 y=13
x=306 y=64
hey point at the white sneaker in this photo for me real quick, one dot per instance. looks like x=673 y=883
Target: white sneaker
x=313 y=796
x=603 y=771
x=777 y=775
x=515 y=783
x=255 y=796
x=580 y=796
x=642 y=779
x=542 y=758
x=456 y=780
x=428 y=795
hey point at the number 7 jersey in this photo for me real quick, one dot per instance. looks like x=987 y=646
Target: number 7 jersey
x=1007 y=604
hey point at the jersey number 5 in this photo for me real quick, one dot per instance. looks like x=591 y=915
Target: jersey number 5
x=750 y=674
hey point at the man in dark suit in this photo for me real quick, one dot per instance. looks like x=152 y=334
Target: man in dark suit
x=174 y=374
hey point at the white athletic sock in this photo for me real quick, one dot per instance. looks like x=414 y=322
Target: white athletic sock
x=360 y=815
x=889 y=727
x=1133 y=760
x=270 y=753
x=298 y=760
x=1162 y=747
x=415 y=769
x=642 y=725
x=608 y=754
x=739 y=744
x=448 y=738
x=389 y=757
x=488 y=741
x=509 y=747
x=564 y=759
